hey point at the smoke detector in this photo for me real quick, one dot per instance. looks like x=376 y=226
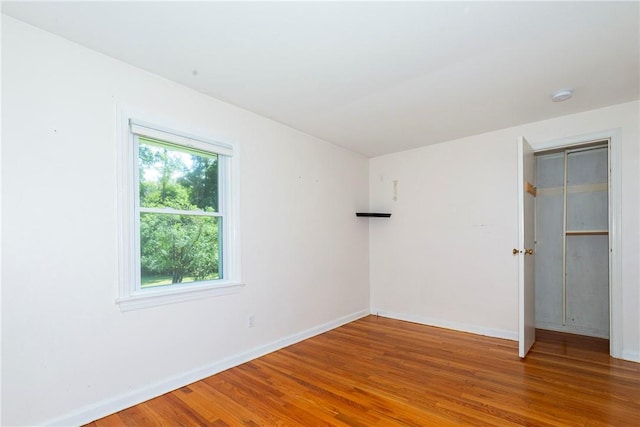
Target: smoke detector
x=562 y=95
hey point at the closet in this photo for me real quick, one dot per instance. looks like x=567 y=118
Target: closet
x=572 y=242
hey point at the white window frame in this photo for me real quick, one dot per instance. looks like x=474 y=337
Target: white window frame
x=131 y=296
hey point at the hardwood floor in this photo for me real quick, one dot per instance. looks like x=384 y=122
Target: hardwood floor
x=383 y=372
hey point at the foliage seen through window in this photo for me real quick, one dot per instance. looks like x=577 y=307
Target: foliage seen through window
x=180 y=228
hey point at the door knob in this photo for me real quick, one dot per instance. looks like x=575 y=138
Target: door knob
x=528 y=251
x=516 y=252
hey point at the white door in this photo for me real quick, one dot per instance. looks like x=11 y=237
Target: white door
x=525 y=250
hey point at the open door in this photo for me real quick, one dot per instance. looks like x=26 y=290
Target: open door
x=525 y=250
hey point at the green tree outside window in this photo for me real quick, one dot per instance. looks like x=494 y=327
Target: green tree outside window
x=179 y=227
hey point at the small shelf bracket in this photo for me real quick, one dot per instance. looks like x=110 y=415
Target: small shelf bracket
x=373 y=214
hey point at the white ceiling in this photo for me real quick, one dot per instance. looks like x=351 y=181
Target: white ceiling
x=374 y=77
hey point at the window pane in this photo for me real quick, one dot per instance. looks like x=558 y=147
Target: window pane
x=176 y=178
x=179 y=249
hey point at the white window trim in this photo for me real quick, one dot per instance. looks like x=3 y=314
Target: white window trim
x=130 y=295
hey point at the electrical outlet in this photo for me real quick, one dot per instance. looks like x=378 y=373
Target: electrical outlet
x=252 y=320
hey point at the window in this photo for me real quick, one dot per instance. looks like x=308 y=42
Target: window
x=178 y=239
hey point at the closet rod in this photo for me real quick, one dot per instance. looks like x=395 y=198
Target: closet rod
x=586 y=232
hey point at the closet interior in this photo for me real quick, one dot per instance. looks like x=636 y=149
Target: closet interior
x=572 y=240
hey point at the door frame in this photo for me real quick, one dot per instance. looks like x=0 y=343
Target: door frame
x=615 y=180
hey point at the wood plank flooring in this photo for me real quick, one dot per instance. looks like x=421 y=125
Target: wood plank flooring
x=383 y=372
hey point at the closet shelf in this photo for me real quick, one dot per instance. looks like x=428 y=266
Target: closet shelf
x=587 y=232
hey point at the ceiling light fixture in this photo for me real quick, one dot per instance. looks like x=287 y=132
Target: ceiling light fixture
x=562 y=95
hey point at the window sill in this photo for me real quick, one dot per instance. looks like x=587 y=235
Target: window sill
x=155 y=297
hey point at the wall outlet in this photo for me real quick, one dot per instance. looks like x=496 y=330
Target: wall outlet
x=251 y=320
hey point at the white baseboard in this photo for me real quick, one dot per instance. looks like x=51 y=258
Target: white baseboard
x=478 y=330
x=109 y=406
x=632 y=356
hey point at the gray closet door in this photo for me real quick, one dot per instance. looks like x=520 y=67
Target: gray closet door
x=585 y=252
x=587 y=255
x=549 y=229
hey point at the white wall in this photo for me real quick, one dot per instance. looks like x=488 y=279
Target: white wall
x=444 y=257
x=68 y=353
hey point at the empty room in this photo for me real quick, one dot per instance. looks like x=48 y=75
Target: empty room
x=320 y=213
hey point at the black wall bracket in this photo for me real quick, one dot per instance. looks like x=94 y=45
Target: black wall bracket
x=373 y=214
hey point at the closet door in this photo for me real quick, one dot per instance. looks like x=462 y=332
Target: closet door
x=549 y=241
x=525 y=252
x=587 y=242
